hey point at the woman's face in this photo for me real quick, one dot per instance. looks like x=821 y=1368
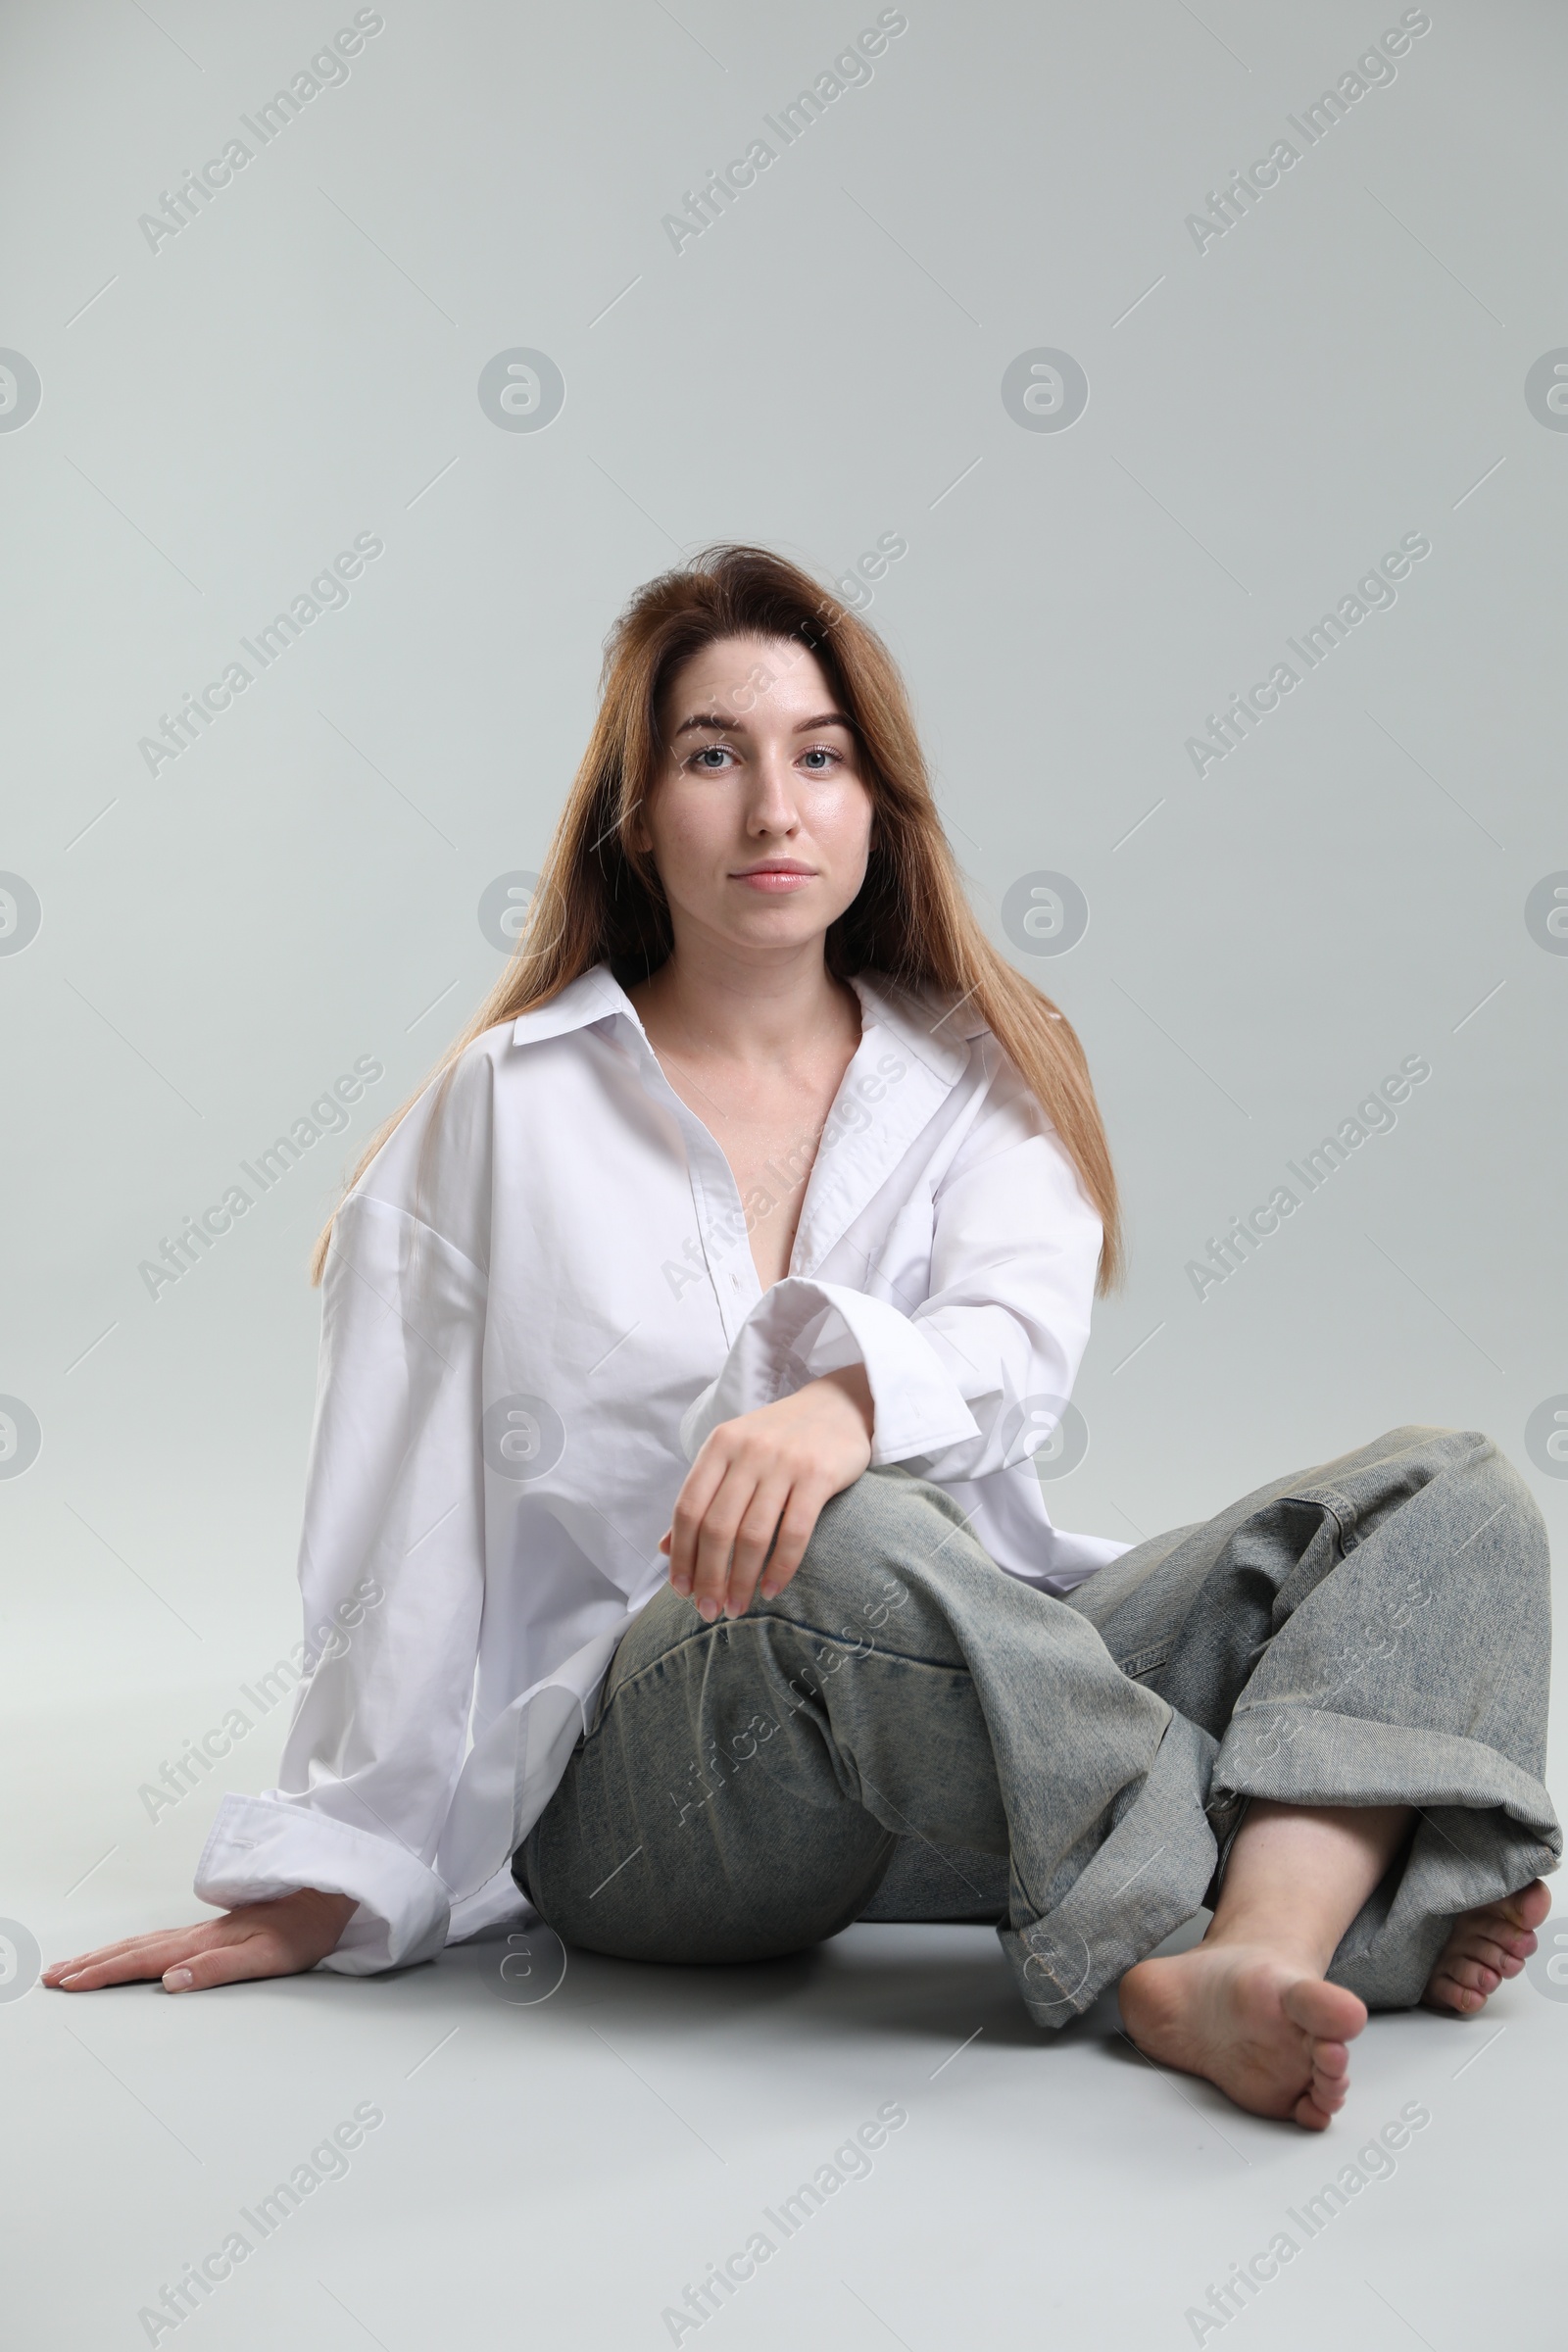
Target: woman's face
x=758 y=820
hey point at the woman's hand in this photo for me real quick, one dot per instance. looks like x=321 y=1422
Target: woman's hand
x=261 y=1940
x=767 y=1473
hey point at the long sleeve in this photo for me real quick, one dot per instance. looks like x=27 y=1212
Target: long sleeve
x=518 y=1314
x=967 y=1380
x=392 y=1576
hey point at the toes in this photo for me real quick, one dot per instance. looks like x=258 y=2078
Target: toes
x=1476 y=1975
x=1528 y=1908
x=1522 y=1912
x=1484 y=1949
x=1327 y=2013
x=1330 y=2085
x=1445 y=1993
x=1331 y=2060
x=1512 y=1920
x=1496 y=1942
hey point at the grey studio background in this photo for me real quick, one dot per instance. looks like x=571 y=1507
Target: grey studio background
x=1097 y=432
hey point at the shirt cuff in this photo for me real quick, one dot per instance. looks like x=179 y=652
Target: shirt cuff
x=262 y=1847
x=499 y=1900
x=801 y=1329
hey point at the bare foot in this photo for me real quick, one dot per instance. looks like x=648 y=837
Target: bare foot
x=1263 y=2026
x=1483 y=1947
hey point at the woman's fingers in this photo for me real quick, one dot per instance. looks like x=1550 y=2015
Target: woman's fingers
x=759 y=1524
x=259 y=1955
x=701 y=1484
x=130 y=1962
x=715 y=1539
x=105 y=1951
x=794 y=1531
x=257 y=1940
x=766 y=1473
x=709 y=1511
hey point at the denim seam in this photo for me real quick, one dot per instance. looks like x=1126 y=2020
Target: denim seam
x=899 y=1657
x=1144 y=1661
x=1341 y=1510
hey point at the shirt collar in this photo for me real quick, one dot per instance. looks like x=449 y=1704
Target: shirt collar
x=934 y=1025
x=936 y=1038
x=594 y=996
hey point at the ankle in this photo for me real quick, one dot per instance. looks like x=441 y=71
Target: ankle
x=1281 y=1937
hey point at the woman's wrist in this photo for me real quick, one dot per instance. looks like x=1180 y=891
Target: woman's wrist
x=854 y=1387
x=328 y=1913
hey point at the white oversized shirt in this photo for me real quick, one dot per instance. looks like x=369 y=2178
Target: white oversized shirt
x=540 y=1299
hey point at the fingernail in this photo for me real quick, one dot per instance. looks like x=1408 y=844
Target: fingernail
x=708 y=1608
x=175 y=1979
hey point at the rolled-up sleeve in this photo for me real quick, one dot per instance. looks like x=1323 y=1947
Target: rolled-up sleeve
x=392 y=1575
x=970 y=1378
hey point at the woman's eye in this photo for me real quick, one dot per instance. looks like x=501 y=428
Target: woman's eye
x=819 y=751
x=710 y=757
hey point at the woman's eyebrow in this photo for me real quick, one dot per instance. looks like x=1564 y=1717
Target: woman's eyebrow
x=712 y=719
x=737 y=726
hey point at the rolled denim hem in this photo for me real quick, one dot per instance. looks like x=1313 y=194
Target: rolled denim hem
x=1147 y=1878
x=1483 y=1829
x=1296 y=1753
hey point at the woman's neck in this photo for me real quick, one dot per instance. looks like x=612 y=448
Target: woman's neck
x=759 y=1052
x=707 y=1003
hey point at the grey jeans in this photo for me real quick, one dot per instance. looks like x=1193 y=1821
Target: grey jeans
x=907 y=1733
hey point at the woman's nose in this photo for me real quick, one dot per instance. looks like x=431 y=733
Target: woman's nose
x=773 y=808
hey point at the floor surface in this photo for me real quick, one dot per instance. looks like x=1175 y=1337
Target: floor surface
x=555 y=2149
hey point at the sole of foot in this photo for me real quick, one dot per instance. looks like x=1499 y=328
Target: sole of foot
x=1484 y=1946
x=1264 y=2028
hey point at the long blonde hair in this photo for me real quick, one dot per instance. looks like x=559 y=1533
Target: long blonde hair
x=599 y=901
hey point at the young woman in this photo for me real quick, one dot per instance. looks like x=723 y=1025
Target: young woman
x=674 y=1545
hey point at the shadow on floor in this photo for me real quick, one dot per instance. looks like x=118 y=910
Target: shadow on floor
x=919 y=1981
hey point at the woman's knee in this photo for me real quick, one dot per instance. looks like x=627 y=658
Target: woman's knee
x=668 y=1620
x=1508 y=1504
x=1484 y=1492
x=867 y=1541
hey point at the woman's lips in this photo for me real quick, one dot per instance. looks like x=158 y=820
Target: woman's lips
x=775 y=881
